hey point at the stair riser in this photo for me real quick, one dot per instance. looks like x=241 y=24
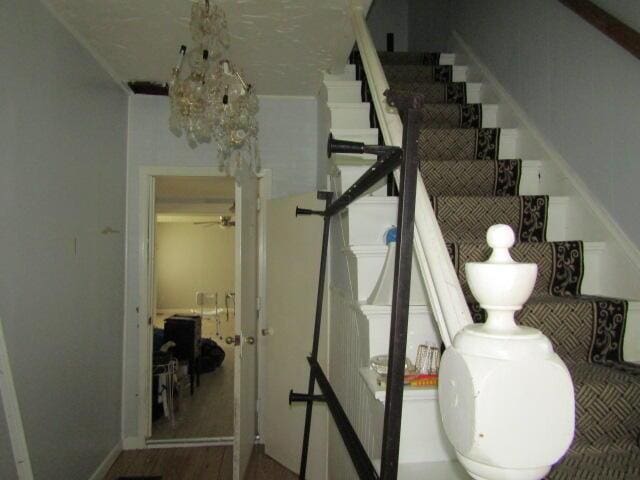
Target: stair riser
x=632 y=334
x=349 y=116
x=367 y=135
x=343 y=91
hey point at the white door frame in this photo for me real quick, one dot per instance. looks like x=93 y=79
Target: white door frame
x=144 y=329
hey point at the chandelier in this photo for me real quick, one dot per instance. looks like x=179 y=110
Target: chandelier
x=209 y=98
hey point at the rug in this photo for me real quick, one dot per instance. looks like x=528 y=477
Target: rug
x=471 y=188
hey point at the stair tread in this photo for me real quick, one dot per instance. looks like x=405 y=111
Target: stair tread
x=467 y=218
x=398 y=75
x=471 y=177
x=410 y=58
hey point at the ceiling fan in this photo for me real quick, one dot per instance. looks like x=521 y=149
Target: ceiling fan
x=224 y=221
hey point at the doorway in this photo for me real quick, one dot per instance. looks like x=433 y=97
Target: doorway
x=192 y=384
x=244 y=307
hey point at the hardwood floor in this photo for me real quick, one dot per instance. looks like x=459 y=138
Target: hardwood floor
x=209 y=412
x=195 y=463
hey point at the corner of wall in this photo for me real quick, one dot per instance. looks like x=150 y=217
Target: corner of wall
x=109 y=460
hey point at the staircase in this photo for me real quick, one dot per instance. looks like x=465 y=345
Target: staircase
x=475 y=178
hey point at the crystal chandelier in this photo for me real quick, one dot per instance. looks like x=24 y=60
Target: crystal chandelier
x=209 y=97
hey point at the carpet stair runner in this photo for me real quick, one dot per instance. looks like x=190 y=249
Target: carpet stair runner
x=470 y=190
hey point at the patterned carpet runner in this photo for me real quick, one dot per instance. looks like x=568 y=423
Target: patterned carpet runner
x=472 y=188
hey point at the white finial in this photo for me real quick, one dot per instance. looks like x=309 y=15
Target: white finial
x=501 y=238
x=500 y=284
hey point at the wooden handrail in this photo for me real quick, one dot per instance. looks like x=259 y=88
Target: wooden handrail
x=618 y=31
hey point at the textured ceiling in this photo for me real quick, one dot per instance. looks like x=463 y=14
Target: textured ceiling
x=283 y=46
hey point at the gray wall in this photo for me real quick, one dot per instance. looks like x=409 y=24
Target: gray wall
x=429 y=25
x=288 y=146
x=7 y=464
x=418 y=25
x=193 y=258
x=389 y=16
x=62 y=157
x=577 y=86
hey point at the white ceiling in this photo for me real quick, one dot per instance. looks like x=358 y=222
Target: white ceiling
x=283 y=46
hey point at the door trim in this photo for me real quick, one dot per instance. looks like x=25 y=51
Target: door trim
x=146 y=173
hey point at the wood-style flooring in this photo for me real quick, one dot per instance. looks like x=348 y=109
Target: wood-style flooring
x=194 y=463
x=209 y=412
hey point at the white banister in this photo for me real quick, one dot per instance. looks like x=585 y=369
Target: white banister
x=447 y=301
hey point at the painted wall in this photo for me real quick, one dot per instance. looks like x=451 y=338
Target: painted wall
x=7 y=463
x=63 y=126
x=577 y=86
x=627 y=11
x=193 y=258
x=389 y=16
x=429 y=25
x=288 y=146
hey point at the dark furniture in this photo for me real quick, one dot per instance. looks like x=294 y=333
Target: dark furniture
x=185 y=331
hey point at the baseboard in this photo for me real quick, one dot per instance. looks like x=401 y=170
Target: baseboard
x=592 y=203
x=133 y=443
x=106 y=464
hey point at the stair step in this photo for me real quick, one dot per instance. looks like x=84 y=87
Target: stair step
x=349 y=73
x=467 y=218
x=350 y=168
x=367 y=135
x=368 y=218
x=416 y=58
x=397 y=75
x=343 y=91
x=368 y=261
x=349 y=115
x=632 y=334
x=350 y=91
x=581 y=259
x=468 y=144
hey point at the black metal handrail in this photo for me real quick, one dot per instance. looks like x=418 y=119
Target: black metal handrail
x=388 y=159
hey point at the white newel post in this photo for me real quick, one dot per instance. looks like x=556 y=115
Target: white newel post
x=506 y=398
